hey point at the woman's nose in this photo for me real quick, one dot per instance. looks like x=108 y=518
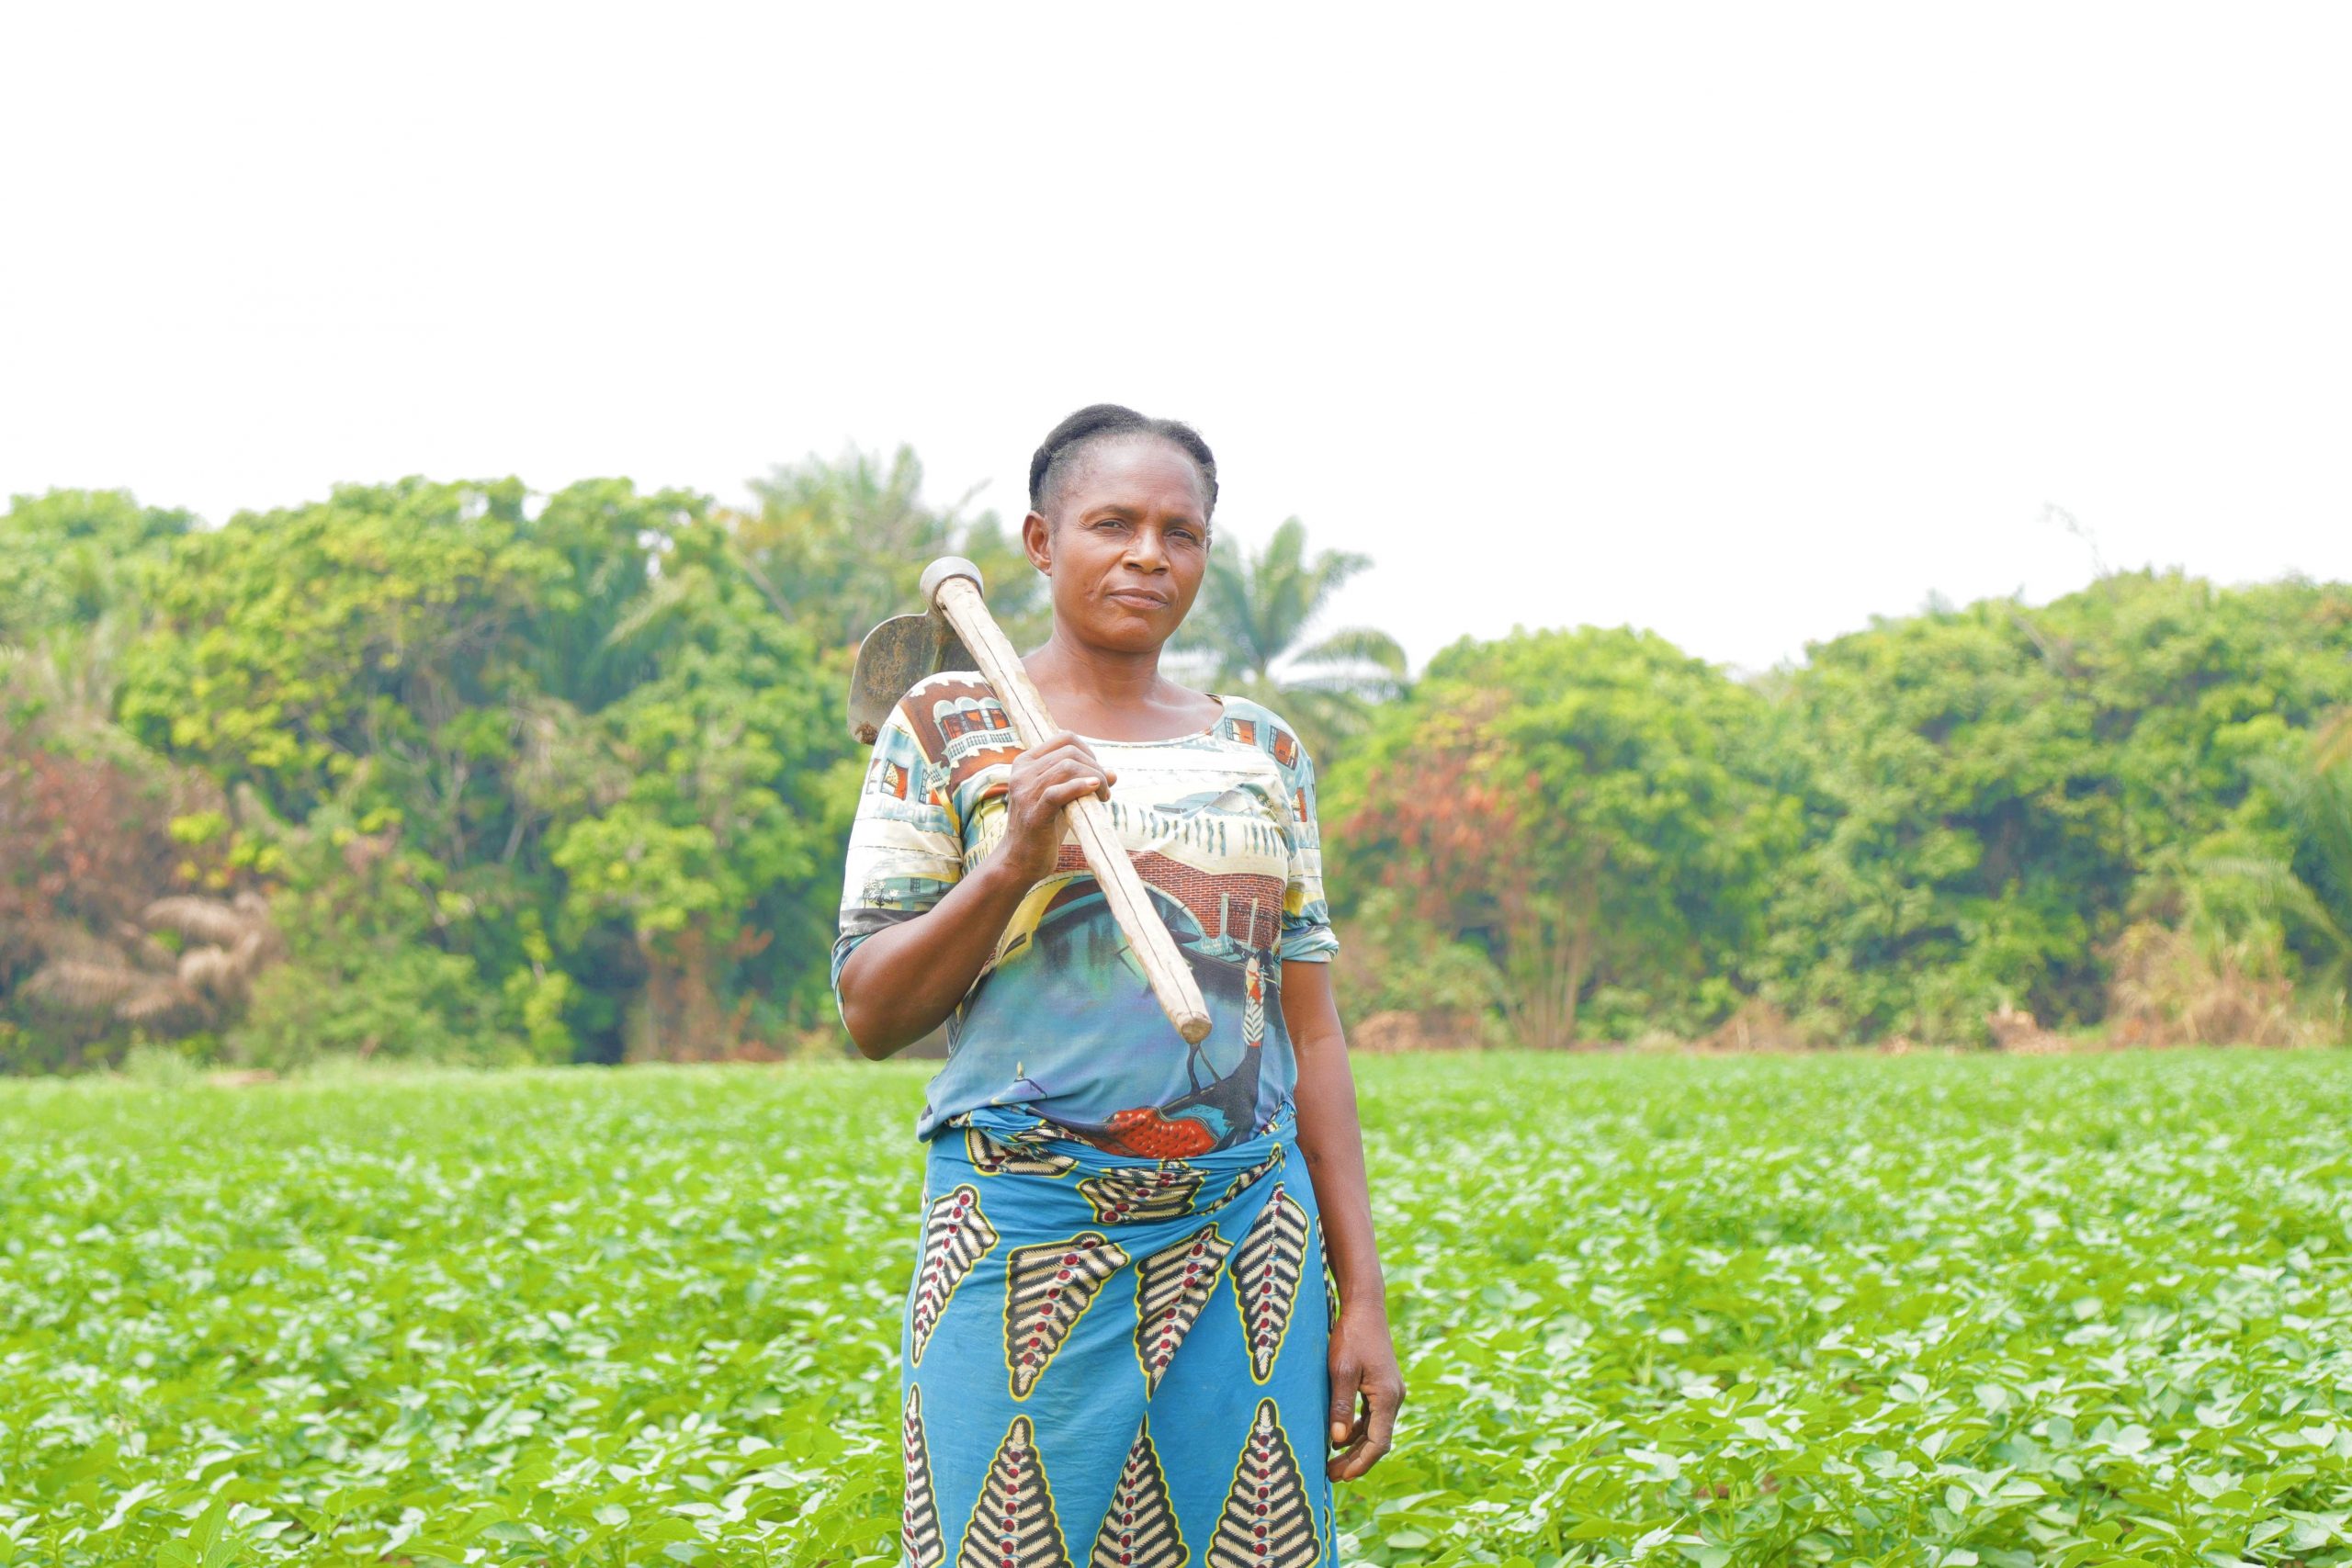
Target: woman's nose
x=1145 y=551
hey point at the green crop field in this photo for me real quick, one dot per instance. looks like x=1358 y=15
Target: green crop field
x=1850 y=1308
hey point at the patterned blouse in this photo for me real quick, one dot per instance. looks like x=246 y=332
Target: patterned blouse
x=1061 y=1021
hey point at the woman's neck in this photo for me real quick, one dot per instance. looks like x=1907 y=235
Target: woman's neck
x=1114 y=694
x=1072 y=675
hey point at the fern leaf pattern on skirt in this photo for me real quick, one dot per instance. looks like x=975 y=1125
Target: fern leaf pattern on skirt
x=1139 y=1529
x=1140 y=1197
x=1171 y=1286
x=1266 y=1272
x=956 y=1236
x=1014 y=1156
x=1013 y=1521
x=1268 y=1521
x=1047 y=1288
x=918 y=1516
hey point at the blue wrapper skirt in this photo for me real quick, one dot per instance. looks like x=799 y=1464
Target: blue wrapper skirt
x=1111 y=1361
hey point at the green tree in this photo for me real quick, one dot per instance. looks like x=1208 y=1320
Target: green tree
x=2192 y=687
x=2206 y=701
x=291 y=644
x=74 y=565
x=1584 y=807
x=2300 y=865
x=1966 y=842
x=385 y=674
x=716 y=835
x=1254 y=613
x=69 y=556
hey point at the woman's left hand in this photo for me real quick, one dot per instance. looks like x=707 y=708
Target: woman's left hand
x=1366 y=1389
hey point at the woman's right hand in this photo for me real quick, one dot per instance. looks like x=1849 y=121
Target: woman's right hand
x=1046 y=778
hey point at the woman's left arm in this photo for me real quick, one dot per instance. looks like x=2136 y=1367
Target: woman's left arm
x=1366 y=1387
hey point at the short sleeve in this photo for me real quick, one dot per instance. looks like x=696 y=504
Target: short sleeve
x=906 y=848
x=1307 y=918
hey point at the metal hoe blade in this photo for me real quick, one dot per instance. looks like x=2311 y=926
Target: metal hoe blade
x=894 y=656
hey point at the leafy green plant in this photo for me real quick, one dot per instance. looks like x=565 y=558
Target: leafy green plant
x=1752 y=1311
x=161 y=1066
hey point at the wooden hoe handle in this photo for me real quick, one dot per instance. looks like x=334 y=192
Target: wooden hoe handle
x=952 y=587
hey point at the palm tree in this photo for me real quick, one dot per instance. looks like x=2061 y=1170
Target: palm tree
x=2308 y=889
x=2318 y=887
x=136 y=979
x=837 y=545
x=1256 y=609
x=75 y=670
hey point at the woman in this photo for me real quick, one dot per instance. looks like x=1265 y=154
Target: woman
x=1147 y=1273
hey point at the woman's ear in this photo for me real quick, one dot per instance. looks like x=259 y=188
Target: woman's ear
x=1037 y=538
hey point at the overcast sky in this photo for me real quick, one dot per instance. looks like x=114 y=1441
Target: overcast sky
x=1742 y=322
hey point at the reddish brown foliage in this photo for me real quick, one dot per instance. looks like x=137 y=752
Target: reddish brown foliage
x=1441 y=829
x=85 y=847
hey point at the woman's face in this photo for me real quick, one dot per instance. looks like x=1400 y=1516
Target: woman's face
x=1127 y=545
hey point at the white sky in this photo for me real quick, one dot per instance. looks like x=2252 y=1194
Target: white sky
x=1742 y=323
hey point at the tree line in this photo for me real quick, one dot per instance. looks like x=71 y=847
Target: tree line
x=467 y=773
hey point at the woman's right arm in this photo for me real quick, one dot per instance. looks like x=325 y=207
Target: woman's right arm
x=901 y=982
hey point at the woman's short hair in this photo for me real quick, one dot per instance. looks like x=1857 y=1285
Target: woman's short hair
x=1099 y=422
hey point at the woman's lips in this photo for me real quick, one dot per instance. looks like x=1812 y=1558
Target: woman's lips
x=1137 y=596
